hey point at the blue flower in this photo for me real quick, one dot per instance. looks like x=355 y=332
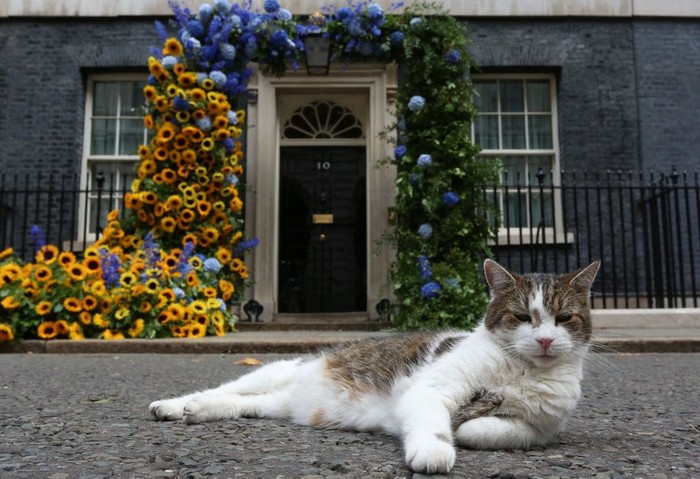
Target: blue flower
x=416 y=21
x=399 y=152
x=179 y=293
x=232 y=179
x=425 y=160
x=228 y=51
x=219 y=78
x=169 y=62
x=196 y=29
x=425 y=230
x=344 y=13
x=452 y=57
x=204 y=124
x=110 y=268
x=221 y=5
x=271 y=6
x=375 y=11
x=452 y=282
x=38 y=237
x=222 y=305
x=193 y=45
x=424 y=264
x=397 y=38
x=284 y=14
x=229 y=144
x=450 y=198
x=232 y=117
x=235 y=22
x=181 y=104
x=416 y=103
x=212 y=265
x=430 y=290
x=414 y=179
x=205 y=13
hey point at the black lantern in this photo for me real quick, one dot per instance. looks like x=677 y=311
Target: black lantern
x=317 y=46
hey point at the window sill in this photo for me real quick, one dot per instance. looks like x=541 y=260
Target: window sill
x=519 y=237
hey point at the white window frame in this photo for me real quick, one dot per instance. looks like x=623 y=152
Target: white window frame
x=84 y=235
x=528 y=234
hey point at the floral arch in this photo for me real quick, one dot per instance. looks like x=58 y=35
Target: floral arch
x=173 y=262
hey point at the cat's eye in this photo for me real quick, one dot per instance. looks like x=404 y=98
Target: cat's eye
x=525 y=318
x=563 y=318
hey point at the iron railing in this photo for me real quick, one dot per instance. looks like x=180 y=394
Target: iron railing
x=645 y=228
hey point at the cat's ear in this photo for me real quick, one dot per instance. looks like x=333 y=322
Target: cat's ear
x=497 y=276
x=583 y=278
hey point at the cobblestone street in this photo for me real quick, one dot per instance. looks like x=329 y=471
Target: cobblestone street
x=86 y=416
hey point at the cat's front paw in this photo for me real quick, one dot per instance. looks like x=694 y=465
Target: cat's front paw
x=167 y=409
x=433 y=457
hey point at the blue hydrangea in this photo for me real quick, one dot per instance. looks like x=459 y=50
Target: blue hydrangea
x=232 y=179
x=204 y=124
x=212 y=265
x=232 y=117
x=425 y=160
x=284 y=14
x=414 y=179
x=181 y=104
x=425 y=230
x=399 y=152
x=222 y=305
x=416 y=103
x=450 y=198
x=430 y=290
x=452 y=57
x=179 y=293
x=397 y=38
x=228 y=51
x=416 y=22
x=169 y=62
x=221 y=5
x=193 y=45
x=229 y=144
x=219 y=78
x=374 y=11
x=205 y=13
x=235 y=22
x=424 y=264
x=196 y=28
x=271 y=6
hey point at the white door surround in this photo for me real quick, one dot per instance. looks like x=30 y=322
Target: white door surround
x=376 y=84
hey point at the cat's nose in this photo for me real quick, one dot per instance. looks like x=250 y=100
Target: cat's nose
x=545 y=342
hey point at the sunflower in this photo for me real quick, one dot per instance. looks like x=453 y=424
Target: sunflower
x=207 y=144
x=202 y=320
x=166 y=133
x=6 y=333
x=179 y=68
x=43 y=308
x=178 y=331
x=47 y=330
x=187 y=214
x=203 y=208
x=98 y=288
x=195 y=262
x=10 y=303
x=192 y=280
x=152 y=286
x=149 y=197
x=145 y=307
x=42 y=273
x=243 y=273
x=189 y=238
x=208 y=84
x=164 y=317
x=85 y=317
x=172 y=47
x=4 y=254
x=148 y=122
x=149 y=92
x=173 y=203
x=196 y=331
x=75 y=332
x=235 y=204
x=122 y=313
x=209 y=292
x=99 y=321
x=72 y=304
x=92 y=264
x=161 y=103
x=169 y=175
x=136 y=328
x=47 y=254
x=236 y=264
x=77 y=272
x=128 y=279
x=62 y=327
x=227 y=289
x=112 y=334
x=187 y=79
x=9 y=273
x=167 y=295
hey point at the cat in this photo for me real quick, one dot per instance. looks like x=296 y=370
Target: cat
x=509 y=384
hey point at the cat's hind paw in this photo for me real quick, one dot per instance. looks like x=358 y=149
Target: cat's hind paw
x=434 y=457
x=167 y=409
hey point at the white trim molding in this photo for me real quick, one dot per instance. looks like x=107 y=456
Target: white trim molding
x=460 y=8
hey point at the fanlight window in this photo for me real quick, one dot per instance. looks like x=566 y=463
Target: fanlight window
x=322 y=120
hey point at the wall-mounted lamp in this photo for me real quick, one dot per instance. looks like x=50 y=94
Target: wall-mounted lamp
x=317 y=46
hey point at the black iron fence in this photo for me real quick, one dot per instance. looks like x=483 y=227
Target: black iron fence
x=645 y=228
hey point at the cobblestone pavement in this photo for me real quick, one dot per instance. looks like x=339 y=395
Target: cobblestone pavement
x=85 y=416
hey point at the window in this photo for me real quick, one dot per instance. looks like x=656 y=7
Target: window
x=113 y=132
x=516 y=123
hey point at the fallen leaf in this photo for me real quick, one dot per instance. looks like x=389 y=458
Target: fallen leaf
x=248 y=362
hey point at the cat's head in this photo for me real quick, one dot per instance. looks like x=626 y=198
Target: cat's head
x=540 y=317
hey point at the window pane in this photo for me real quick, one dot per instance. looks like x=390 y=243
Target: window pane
x=513 y=132
x=514 y=170
x=515 y=210
x=538 y=99
x=540 y=131
x=130 y=136
x=98 y=213
x=486 y=96
x=512 y=98
x=541 y=208
x=486 y=131
x=105 y=99
x=104 y=134
x=131 y=98
x=117 y=175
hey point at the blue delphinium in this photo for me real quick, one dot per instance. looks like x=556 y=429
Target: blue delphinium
x=425 y=160
x=425 y=230
x=375 y=11
x=221 y=5
x=151 y=250
x=110 y=268
x=416 y=103
x=424 y=264
x=38 y=238
x=399 y=152
x=430 y=290
x=245 y=245
x=453 y=57
x=212 y=265
x=450 y=198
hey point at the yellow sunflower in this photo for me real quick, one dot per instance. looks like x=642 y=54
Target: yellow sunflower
x=47 y=330
x=137 y=328
x=47 y=254
x=196 y=331
x=122 y=313
x=4 y=254
x=6 y=332
x=128 y=279
x=112 y=334
x=42 y=273
x=72 y=304
x=75 y=332
x=77 y=272
x=43 y=308
x=10 y=303
x=85 y=317
x=99 y=321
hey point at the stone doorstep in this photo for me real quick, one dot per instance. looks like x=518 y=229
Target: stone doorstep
x=686 y=318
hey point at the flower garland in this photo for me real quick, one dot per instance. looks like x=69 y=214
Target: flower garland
x=174 y=260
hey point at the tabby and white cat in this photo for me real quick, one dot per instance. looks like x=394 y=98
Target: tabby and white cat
x=510 y=383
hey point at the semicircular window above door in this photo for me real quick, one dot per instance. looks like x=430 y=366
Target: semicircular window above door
x=322 y=120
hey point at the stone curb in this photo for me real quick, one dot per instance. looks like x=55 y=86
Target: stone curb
x=292 y=346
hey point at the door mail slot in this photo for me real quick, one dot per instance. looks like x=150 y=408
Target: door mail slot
x=323 y=219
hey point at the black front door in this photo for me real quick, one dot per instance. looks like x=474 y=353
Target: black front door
x=322 y=244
